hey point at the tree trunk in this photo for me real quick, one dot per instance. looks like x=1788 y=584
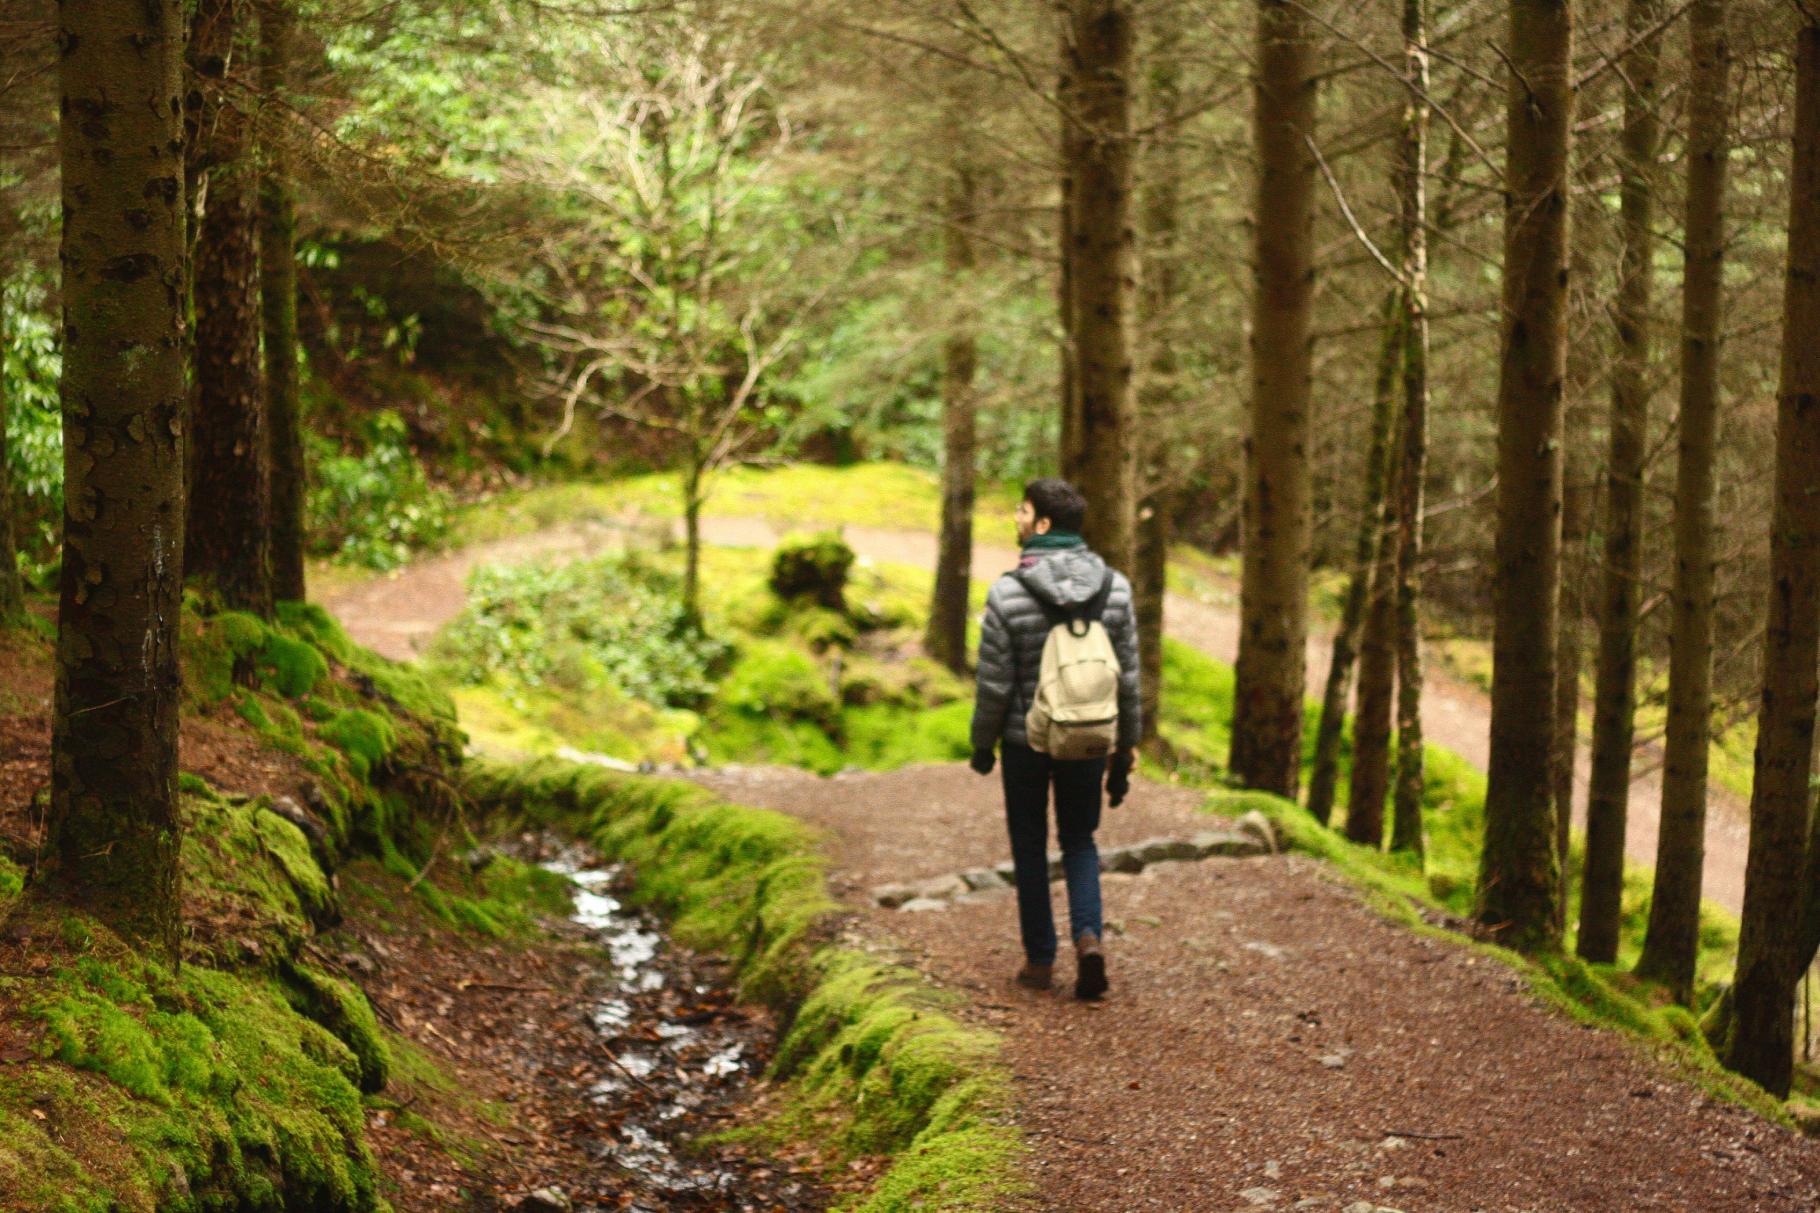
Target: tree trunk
x=1614 y=699
x=1068 y=452
x=12 y=592
x=1406 y=820
x=1519 y=874
x=947 y=638
x=1671 y=942
x=1377 y=695
x=1570 y=625
x=1323 y=773
x=1769 y=959
x=278 y=300
x=1159 y=396
x=1273 y=594
x=228 y=540
x=692 y=503
x=1105 y=274
x=114 y=820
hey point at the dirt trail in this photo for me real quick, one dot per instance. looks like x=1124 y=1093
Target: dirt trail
x=397 y=615
x=1271 y=1043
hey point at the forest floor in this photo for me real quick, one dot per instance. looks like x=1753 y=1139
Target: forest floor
x=399 y=614
x=1271 y=1042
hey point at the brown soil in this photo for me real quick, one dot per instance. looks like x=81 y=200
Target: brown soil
x=1269 y=1034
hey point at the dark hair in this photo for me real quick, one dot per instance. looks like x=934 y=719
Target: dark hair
x=1058 y=501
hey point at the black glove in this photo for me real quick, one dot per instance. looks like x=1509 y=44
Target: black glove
x=982 y=761
x=1118 y=777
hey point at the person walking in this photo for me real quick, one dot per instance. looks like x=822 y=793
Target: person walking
x=1057 y=685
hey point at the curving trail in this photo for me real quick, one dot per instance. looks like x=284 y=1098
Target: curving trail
x=396 y=615
x=1271 y=1041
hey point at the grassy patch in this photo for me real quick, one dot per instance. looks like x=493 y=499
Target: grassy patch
x=537 y=665
x=875 y=1064
x=886 y=495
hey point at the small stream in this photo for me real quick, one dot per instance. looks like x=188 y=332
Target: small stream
x=682 y=1052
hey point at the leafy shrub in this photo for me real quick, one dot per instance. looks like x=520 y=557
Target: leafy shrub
x=30 y=366
x=576 y=625
x=376 y=508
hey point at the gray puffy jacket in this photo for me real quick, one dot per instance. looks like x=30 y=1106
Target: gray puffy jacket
x=1014 y=628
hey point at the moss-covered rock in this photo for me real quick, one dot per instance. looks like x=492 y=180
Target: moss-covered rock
x=366 y=738
x=155 y=1090
x=344 y=1011
x=813 y=567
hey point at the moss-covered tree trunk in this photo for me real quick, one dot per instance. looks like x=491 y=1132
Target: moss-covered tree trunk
x=1519 y=874
x=1769 y=945
x=1614 y=696
x=114 y=818
x=1105 y=273
x=1672 y=940
x=1412 y=196
x=228 y=540
x=1323 y=773
x=947 y=635
x=278 y=303
x=1273 y=594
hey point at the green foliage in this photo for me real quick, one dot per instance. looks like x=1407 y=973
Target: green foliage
x=375 y=508
x=575 y=626
x=30 y=368
x=813 y=567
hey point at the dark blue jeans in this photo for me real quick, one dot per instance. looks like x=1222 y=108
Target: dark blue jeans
x=1028 y=776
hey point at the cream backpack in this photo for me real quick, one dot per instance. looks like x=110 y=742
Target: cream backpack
x=1076 y=710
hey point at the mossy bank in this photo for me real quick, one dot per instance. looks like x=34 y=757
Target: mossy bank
x=238 y=1080
x=874 y=1062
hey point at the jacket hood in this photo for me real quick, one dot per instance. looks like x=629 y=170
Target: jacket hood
x=1065 y=578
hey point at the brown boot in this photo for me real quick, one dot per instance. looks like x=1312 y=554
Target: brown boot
x=1034 y=976
x=1090 y=967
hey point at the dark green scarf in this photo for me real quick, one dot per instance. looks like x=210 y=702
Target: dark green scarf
x=1054 y=541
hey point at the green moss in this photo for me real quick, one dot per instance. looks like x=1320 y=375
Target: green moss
x=814 y=567
x=365 y=738
x=292 y=666
x=255 y=882
x=344 y=1011
x=197 y=1090
x=314 y=624
x=12 y=884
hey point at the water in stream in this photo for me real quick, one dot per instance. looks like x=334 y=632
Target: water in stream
x=681 y=1052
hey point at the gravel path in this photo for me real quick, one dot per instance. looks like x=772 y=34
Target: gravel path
x=396 y=615
x=1270 y=1043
